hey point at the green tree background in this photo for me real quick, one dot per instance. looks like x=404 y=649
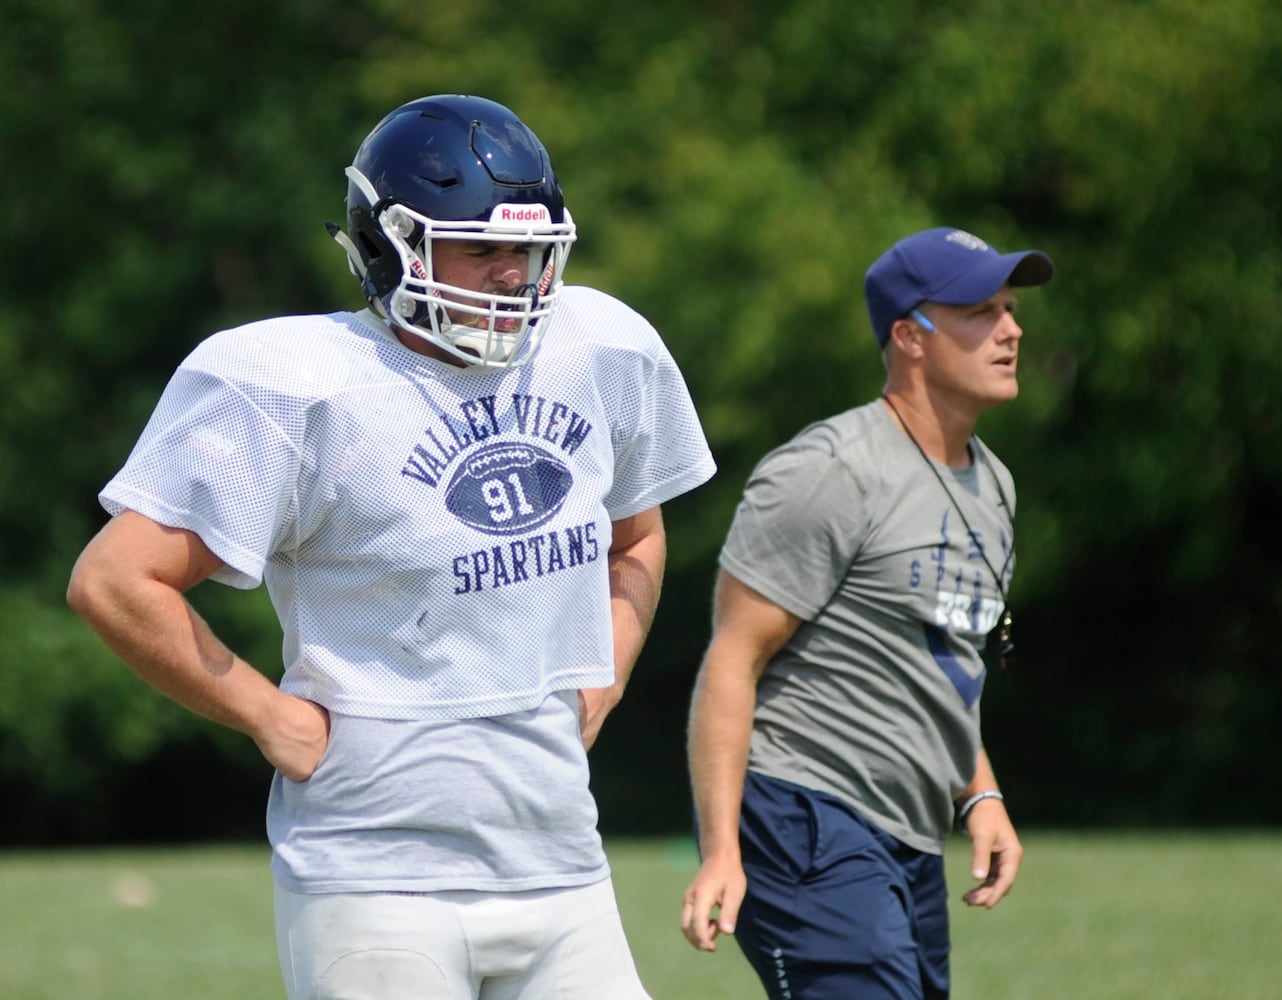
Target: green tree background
x=734 y=168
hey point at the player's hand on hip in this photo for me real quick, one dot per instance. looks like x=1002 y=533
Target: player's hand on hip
x=594 y=705
x=296 y=740
x=996 y=853
x=712 y=902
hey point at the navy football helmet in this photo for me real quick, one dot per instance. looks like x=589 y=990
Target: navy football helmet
x=456 y=167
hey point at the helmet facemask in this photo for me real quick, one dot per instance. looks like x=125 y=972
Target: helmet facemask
x=485 y=329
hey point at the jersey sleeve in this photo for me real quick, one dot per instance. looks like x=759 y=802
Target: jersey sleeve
x=220 y=460
x=660 y=448
x=797 y=528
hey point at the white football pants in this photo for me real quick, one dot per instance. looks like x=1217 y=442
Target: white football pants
x=564 y=943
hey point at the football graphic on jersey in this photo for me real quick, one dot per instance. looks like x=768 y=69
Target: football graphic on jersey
x=507 y=488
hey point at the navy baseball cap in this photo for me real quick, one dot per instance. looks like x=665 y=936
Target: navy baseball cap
x=945 y=265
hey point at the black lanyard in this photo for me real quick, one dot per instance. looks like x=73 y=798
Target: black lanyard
x=1006 y=644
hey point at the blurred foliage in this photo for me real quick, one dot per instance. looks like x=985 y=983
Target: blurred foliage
x=734 y=167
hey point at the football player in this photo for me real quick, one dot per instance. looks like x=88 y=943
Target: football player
x=453 y=497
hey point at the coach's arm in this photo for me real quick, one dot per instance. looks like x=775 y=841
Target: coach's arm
x=747 y=630
x=996 y=852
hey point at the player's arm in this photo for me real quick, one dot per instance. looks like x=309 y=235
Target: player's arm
x=129 y=585
x=638 y=553
x=748 y=629
x=996 y=852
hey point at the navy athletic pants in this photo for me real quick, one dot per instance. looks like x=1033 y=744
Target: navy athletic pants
x=837 y=909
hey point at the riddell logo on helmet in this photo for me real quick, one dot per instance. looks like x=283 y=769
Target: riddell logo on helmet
x=520 y=213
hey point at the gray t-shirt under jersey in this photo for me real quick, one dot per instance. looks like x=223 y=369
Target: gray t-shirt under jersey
x=875 y=699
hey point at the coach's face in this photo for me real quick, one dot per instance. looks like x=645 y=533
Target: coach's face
x=973 y=352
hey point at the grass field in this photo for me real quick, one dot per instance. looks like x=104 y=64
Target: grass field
x=1098 y=917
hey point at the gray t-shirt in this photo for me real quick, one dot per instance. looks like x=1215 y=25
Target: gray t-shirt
x=875 y=698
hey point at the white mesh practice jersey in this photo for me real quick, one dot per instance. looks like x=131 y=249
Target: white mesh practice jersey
x=433 y=538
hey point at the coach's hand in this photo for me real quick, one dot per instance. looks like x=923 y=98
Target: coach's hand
x=720 y=886
x=296 y=739
x=996 y=853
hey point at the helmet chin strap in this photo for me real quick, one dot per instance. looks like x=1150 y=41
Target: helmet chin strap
x=358 y=268
x=487 y=350
x=489 y=345
x=353 y=257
